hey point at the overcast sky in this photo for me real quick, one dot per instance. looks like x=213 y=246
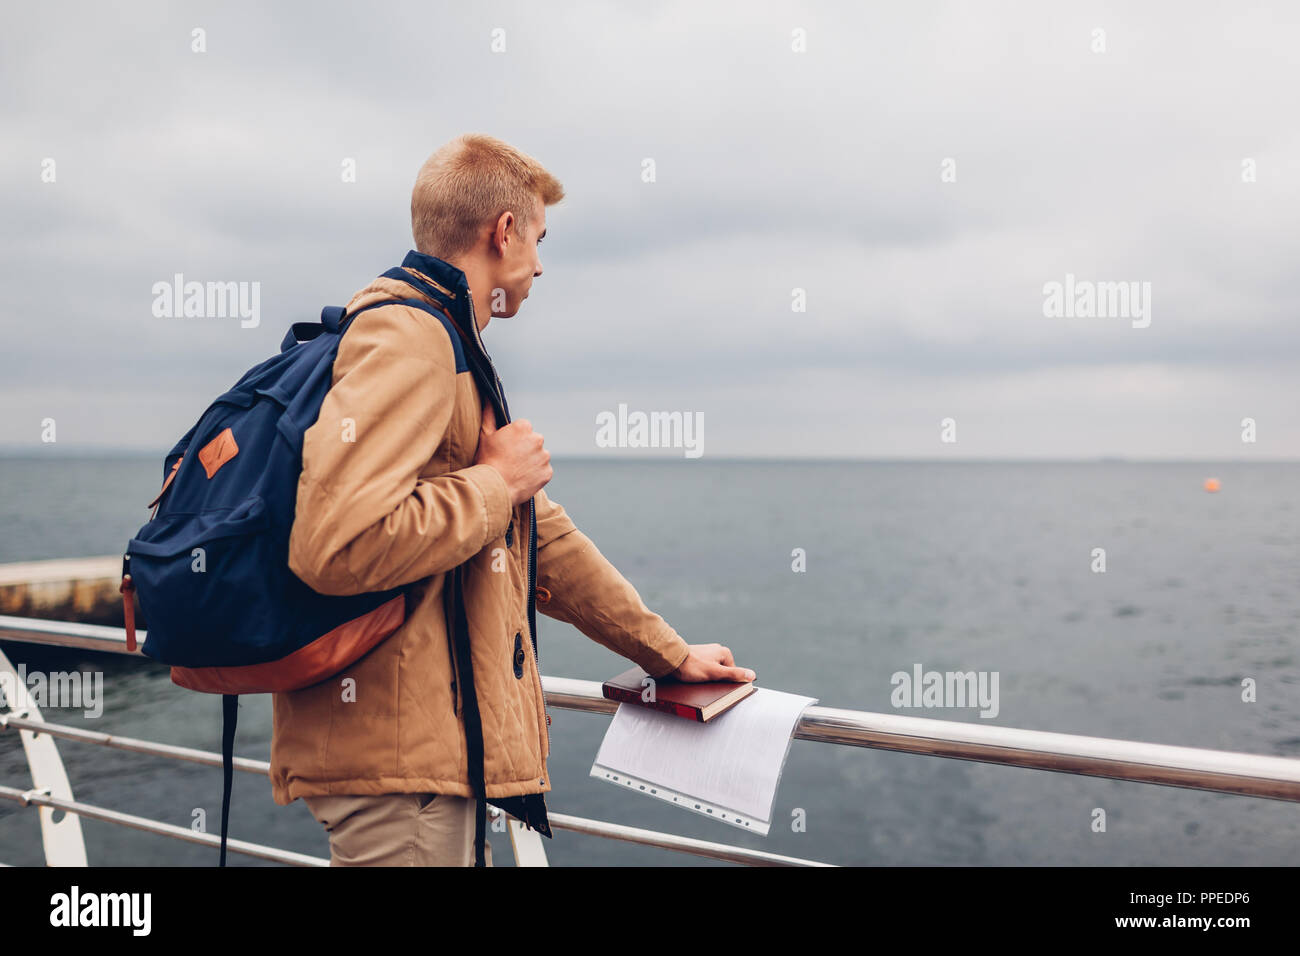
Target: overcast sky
x=775 y=170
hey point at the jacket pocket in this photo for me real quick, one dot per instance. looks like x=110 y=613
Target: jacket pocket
x=525 y=660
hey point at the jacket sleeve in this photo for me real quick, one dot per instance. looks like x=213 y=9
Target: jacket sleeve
x=588 y=592
x=365 y=520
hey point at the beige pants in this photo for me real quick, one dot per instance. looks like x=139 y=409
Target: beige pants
x=398 y=829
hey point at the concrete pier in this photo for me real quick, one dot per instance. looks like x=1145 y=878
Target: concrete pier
x=84 y=590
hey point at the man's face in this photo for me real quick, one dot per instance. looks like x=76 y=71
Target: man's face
x=521 y=263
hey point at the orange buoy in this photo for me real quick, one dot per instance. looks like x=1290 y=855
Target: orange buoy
x=1211 y=484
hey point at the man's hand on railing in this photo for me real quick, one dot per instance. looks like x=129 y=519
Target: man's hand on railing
x=711 y=662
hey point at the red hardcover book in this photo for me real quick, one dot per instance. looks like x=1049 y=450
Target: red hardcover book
x=699 y=702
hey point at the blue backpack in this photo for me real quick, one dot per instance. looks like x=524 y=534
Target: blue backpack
x=210 y=568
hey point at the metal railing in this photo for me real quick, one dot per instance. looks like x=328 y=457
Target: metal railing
x=1276 y=778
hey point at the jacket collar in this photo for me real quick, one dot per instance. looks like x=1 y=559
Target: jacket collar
x=447 y=286
x=442 y=282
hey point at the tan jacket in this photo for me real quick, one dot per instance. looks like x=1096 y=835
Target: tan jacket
x=389 y=495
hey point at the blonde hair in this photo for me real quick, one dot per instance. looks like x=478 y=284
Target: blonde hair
x=467 y=184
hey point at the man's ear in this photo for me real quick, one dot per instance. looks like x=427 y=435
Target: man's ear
x=499 y=235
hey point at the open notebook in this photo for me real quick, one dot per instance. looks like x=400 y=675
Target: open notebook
x=727 y=769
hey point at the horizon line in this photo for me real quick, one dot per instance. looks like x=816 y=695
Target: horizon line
x=25 y=453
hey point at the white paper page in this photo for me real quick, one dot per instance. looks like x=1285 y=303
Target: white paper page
x=727 y=769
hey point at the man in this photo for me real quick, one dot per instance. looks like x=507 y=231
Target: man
x=409 y=478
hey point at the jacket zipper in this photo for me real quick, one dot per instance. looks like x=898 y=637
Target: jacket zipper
x=532 y=614
x=532 y=541
x=541 y=695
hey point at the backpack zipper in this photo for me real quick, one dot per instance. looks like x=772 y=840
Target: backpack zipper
x=166 y=484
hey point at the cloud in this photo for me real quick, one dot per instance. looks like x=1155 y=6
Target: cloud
x=775 y=171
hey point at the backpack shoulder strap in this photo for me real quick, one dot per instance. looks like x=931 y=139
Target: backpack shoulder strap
x=229 y=718
x=335 y=319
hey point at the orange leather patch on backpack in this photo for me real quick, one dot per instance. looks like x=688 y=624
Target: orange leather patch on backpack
x=218 y=451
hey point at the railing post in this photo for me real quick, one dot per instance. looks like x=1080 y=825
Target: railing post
x=62 y=839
